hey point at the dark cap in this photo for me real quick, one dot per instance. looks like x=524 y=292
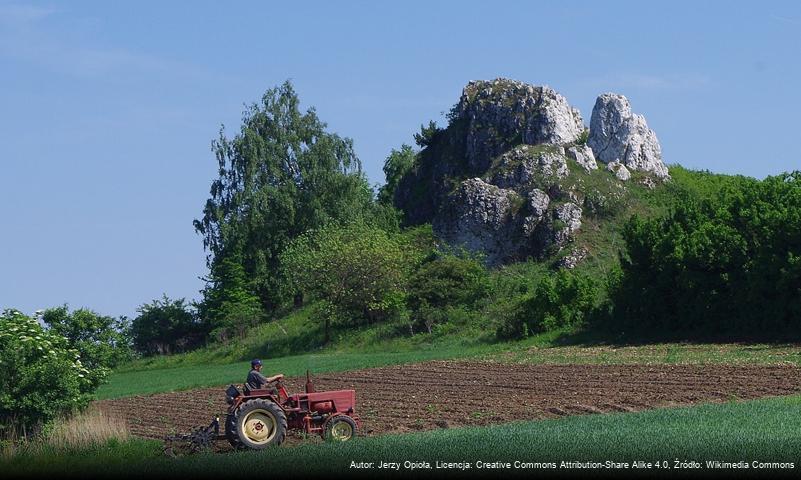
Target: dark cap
x=255 y=362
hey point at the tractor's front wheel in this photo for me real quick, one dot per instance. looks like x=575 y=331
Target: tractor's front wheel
x=260 y=423
x=340 y=429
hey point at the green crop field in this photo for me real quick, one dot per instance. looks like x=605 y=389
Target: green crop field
x=761 y=431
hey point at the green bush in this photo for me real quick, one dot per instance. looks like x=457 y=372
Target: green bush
x=564 y=300
x=41 y=377
x=583 y=136
x=445 y=280
x=396 y=165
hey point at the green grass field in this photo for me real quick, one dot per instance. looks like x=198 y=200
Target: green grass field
x=767 y=430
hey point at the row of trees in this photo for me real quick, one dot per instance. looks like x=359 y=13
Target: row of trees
x=724 y=265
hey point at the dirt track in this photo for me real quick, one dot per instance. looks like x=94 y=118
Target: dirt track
x=446 y=394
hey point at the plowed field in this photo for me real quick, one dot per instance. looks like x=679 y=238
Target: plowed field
x=444 y=394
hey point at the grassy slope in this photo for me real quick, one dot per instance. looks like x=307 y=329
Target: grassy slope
x=760 y=430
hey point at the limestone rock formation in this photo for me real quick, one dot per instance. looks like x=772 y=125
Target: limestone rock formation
x=509 y=176
x=569 y=217
x=479 y=217
x=583 y=155
x=618 y=135
x=524 y=165
x=573 y=258
x=537 y=208
x=621 y=172
x=502 y=113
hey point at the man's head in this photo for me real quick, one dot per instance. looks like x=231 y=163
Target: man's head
x=255 y=364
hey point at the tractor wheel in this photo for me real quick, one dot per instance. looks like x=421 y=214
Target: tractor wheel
x=260 y=423
x=340 y=429
x=230 y=431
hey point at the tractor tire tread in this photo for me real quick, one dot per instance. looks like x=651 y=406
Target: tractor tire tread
x=274 y=408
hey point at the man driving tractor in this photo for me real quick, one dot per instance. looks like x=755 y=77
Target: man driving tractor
x=257 y=381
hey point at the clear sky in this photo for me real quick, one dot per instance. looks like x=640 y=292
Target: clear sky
x=107 y=109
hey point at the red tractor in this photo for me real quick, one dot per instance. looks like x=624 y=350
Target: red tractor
x=258 y=418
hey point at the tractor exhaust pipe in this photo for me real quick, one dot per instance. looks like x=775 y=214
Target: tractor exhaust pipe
x=309 y=384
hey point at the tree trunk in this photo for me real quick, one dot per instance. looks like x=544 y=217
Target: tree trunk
x=327 y=324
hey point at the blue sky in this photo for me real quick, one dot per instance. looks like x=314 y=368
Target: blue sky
x=107 y=109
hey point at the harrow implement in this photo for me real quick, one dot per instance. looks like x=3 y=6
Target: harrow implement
x=198 y=440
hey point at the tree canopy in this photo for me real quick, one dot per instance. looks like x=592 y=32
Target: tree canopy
x=166 y=326
x=360 y=271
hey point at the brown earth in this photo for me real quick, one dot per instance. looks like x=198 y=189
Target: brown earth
x=444 y=394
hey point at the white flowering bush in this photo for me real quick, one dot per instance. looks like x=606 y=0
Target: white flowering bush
x=40 y=376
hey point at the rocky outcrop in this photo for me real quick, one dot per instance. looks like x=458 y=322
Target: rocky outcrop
x=479 y=217
x=567 y=221
x=537 y=208
x=525 y=165
x=621 y=172
x=572 y=259
x=510 y=175
x=583 y=155
x=501 y=114
x=618 y=135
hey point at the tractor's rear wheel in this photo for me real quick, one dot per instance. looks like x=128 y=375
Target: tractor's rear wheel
x=260 y=423
x=340 y=429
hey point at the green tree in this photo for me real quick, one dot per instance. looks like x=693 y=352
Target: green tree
x=280 y=176
x=100 y=339
x=395 y=167
x=229 y=305
x=166 y=326
x=360 y=271
x=41 y=377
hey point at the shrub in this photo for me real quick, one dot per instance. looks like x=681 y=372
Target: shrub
x=41 y=377
x=100 y=340
x=563 y=300
x=445 y=280
x=229 y=305
x=583 y=136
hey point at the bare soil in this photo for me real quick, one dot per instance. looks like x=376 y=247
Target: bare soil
x=443 y=394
